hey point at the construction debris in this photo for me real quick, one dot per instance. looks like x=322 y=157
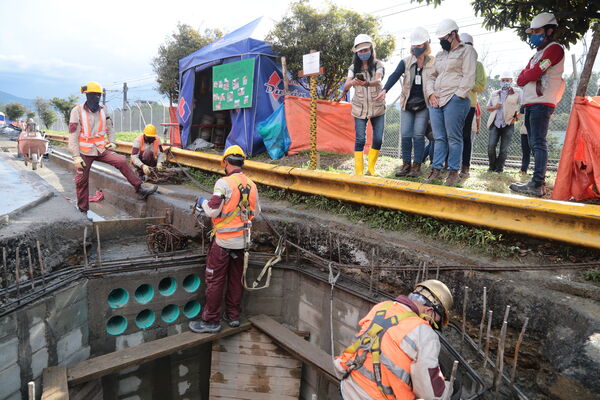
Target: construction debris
x=165 y=238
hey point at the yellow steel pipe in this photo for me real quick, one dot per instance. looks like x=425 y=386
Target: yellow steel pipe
x=573 y=223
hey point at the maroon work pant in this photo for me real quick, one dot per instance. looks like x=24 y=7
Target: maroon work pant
x=220 y=266
x=147 y=157
x=82 y=176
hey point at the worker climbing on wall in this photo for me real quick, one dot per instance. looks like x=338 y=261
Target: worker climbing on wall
x=395 y=355
x=232 y=207
x=146 y=152
x=91 y=139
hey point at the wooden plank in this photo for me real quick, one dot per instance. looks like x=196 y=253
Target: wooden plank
x=250 y=360
x=98 y=367
x=88 y=391
x=55 y=383
x=261 y=370
x=240 y=394
x=298 y=347
x=254 y=383
x=250 y=349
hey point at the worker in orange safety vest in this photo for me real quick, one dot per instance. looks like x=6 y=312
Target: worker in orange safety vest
x=146 y=152
x=395 y=355
x=91 y=139
x=232 y=207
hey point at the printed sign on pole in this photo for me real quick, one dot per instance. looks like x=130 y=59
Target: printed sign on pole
x=311 y=63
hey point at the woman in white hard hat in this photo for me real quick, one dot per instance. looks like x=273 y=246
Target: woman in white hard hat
x=416 y=69
x=503 y=106
x=365 y=75
x=453 y=77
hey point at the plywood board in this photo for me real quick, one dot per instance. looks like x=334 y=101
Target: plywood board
x=55 y=385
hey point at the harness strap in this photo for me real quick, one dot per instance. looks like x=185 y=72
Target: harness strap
x=242 y=205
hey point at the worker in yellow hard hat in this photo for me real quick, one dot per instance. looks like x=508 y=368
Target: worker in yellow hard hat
x=146 y=151
x=395 y=355
x=232 y=206
x=91 y=138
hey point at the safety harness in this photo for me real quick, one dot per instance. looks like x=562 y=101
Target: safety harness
x=370 y=342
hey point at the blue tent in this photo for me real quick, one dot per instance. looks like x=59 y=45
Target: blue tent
x=246 y=42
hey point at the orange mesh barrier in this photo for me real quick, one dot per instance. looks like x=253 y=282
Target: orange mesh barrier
x=335 y=126
x=578 y=175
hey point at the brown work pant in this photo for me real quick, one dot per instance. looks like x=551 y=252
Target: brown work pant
x=82 y=176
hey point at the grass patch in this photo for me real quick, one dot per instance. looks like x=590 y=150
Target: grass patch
x=122 y=136
x=592 y=275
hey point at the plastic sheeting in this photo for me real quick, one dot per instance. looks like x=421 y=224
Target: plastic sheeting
x=335 y=126
x=275 y=134
x=578 y=175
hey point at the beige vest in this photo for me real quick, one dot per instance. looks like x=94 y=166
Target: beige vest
x=553 y=85
x=409 y=77
x=363 y=102
x=510 y=108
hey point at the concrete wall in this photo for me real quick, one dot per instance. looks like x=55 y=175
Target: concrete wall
x=48 y=332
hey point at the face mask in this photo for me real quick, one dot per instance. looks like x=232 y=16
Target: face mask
x=149 y=139
x=536 y=40
x=417 y=51
x=93 y=101
x=445 y=44
x=504 y=85
x=364 y=56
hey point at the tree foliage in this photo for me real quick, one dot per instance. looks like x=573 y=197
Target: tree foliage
x=14 y=111
x=45 y=111
x=331 y=32
x=184 y=41
x=64 y=106
x=574 y=17
x=30 y=114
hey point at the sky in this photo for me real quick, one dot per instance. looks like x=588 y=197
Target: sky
x=51 y=48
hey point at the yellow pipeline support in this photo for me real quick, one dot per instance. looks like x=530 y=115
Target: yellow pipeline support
x=573 y=223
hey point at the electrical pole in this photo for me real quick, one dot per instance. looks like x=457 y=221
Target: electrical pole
x=104 y=98
x=125 y=103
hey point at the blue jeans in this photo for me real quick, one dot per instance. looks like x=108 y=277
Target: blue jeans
x=412 y=129
x=537 y=119
x=502 y=135
x=447 y=124
x=526 y=150
x=360 y=125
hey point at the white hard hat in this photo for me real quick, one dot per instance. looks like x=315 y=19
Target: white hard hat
x=466 y=38
x=419 y=36
x=506 y=75
x=445 y=27
x=362 y=41
x=541 y=20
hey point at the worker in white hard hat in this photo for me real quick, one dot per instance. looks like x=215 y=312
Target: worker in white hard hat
x=504 y=105
x=395 y=355
x=365 y=76
x=416 y=69
x=453 y=78
x=91 y=139
x=543 y=87
x=478 y=87
x=146 y=152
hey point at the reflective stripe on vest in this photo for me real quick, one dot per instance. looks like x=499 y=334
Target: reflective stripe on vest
x=87 y=138
x=230 y=223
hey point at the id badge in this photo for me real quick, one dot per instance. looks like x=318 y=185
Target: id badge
x=417 y=79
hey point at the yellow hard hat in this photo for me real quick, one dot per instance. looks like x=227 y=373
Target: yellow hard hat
x=439 y=295
x=231 y=151
x=150 y=130
x=92 y=87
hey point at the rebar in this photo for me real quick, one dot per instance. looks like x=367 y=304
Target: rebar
x=41 y=262
x=499 y=370
x=165 y=238
x=85 y=256
x=99 y=250
x=464 y=316
x=17 y=273
x=30 y=267
x=517 y=348
x=487 y=339
x=483 y=308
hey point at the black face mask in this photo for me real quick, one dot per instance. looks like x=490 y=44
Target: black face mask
x=93 y=101
x=417 y=51
x=149 y=139
x=446 y=44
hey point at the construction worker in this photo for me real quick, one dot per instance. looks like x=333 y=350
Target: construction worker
x=146 y=151
x=91 y=139
x=395 y=355
x=232 y=207
x=543 y=87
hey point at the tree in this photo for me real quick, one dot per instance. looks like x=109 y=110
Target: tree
x=44 y=110
x=64 y=106
x=184 y=41
x=14 y=111
x=331 y=32
x=30 y=114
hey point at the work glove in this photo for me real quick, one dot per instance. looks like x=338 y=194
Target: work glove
x=146 y=169
x=110 y=146
x=201 y=200
x=160 y=166
x=198 y=209
x=78 y=162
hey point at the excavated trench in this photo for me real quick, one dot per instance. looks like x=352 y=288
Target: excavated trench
x=100 y=312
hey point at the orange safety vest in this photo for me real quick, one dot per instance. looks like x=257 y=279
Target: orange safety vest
x=237 y=214
x=155 y=145
x=377 y=355
x=87 y=138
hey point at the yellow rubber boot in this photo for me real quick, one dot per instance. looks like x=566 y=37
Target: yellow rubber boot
x=359 y=163
x=373 y=156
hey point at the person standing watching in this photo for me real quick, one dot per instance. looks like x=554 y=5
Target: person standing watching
x=91 y=139
x=146 y=152
x=503 y=105
x=453 y=77
x=480 y=82
x=416 y=69
x=543 y=87
x=232 y=207
x=365 y=75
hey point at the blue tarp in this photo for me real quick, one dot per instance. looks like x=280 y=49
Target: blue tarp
x=246 y=42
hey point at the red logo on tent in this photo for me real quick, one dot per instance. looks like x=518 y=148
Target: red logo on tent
x=183 y=110
x=272 y=85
